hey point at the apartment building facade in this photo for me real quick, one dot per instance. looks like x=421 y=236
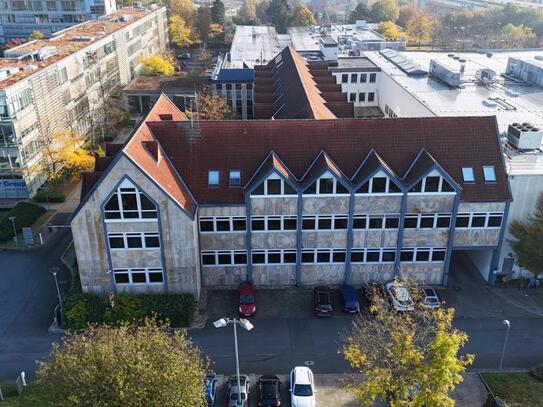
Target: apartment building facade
x=64 y=83
x=286 y=203
x=19 y=18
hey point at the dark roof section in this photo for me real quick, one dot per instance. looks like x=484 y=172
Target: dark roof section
x=454 y=142
x=271 y=162
x=88 y=179
x=370 y=165
x=287 y=87
x=421 y=166
x=235 y=75
x=322 y=163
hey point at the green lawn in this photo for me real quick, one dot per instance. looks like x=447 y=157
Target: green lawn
x=516 y=389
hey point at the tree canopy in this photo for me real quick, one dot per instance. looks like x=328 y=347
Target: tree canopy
x=36 y=35
x=419 y=27
x=389 y=30
x=210 y=107
x=183 y=8
x=527 y=238
x=360 y=12
x=408 y=359
x=247 y=13
x=218 y=12
x=384 y=10
x=156 y=65
x=278 y=12
x=302 y=16
x=125 y=366
x=180 y=33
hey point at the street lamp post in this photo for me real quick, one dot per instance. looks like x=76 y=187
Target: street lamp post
x=54 y=271
x=12 y=219
x=221 y=323
x=508 y=326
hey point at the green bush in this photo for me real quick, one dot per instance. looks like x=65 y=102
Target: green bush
x=537 y=372
x=49 y=196
x=25 y=213
x=82 y=309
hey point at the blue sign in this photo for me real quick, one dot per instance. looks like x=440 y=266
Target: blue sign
x=13 y=183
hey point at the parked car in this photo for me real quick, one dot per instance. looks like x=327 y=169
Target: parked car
x=247 y=300
x=244 y=387
x=322 y=302
x=429 y=298
x=269 y=394
x=398 y=297
x=184 y=56
x=351 y=303
x=302 y=387
x=210 y=388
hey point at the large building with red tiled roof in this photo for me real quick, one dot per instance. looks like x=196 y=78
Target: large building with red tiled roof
x=296 y=202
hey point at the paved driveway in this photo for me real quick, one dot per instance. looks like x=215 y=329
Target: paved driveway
x=27 y=298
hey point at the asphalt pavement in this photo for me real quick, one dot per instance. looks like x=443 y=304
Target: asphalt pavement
x=27 y=299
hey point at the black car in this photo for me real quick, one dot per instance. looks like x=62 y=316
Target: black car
x=322 y=302
x=268 y=388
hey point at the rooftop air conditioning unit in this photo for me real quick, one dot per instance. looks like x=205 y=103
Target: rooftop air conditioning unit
x=46 y=52
x=30 y=68
x=83 y=38
x=125 y=18
x=524 y=136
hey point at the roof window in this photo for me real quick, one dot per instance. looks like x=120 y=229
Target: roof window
x=213 y=178
x=467 y=174
x=234 y=178
x=489 y=173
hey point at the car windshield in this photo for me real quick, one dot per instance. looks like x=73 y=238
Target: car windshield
x=234 y=396
x=303 y=390
x=402 y=294
x=432 y=300
x=246 y=299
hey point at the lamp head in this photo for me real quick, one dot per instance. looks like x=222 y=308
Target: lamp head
x=246 y=324
x=506 y=323
x=220 y=323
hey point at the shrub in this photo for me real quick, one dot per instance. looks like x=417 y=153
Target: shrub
x=128 y=308
x=178 y=309
x=537 y=372
x=26 y=214
x=49 y=196
x=82 y=309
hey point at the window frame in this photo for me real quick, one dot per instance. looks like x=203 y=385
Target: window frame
x=283 y=194
x=384 y=217
x=138 y=270
x=365 y=250
x=387 y=192
x=466 y=171
x=323 y=251
x=216 y=253
x=209 y=175
x=266 y=219
x=126 y=235
x=430 y=250
x=334 y=192
x=129 y=189
x=215 y=219
x=492 y=173
x=471 y=215
x=281 y=252
x=440 y=191
x=230 y=178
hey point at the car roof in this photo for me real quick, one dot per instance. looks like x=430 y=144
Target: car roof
x=302 y=375
x=246 y=288
x=268 y=378
x=429 y=291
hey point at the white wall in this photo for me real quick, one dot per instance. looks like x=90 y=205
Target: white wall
x=402 y=103
x=481 y=259
x=359 y=87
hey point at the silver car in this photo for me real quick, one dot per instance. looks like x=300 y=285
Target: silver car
x=243 y=390
x=429 y=298
x=399 y=298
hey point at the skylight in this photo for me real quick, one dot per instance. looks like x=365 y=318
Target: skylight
x=489 y=173
x=468 y=175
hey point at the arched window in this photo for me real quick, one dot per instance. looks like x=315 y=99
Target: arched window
x=129 y=202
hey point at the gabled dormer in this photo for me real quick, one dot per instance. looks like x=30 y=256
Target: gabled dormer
x=426 y=176
x=375 y=177
x=272 y=179
x=323 y=177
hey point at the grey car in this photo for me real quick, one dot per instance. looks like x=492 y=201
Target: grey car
x=244 y=387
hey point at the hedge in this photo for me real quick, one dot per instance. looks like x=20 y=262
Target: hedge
x=83 y=309
x=49 y=196
x=25 y=213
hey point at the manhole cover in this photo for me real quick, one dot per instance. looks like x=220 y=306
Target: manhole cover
x=309 y=363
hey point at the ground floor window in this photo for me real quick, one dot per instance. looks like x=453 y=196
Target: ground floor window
x=138 y=276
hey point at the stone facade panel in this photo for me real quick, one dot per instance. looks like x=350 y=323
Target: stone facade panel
x=223 y=241
x=429 y=203
x=377 y=204
x=223 y=277
x=135 y=258
x=325 y=205
x=274 y=276
x=374 y=238
x=274 y=206
x=425 y=237
x=324 y=240
x=481 y=207
x=119 y=227
x=322 y=274
x=274 y=240
x=431 y=274
x=371 y=273
x=476 y=237
x=222 y=210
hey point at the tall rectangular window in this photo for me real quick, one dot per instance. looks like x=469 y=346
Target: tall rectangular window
x=234 y=178
x=467 y=174
x=213 y=178
x=344 y=78
x=489 y=173
x=373 y=77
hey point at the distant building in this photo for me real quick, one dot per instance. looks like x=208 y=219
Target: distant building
x=18 y=18
x=476 y=5
x=48 y=86
x=282 y=203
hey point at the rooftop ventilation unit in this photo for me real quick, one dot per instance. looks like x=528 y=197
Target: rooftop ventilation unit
x=524 y=136
x=125 y=18
x=445 y=73
x=539 y=57
x=7 y=71
x=486 y=75
x=45 y=53
x=30 y=68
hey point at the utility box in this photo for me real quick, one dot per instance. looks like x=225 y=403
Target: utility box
x=445 y=73
x=524 y=136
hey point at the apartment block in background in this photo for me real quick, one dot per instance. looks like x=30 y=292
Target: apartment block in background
x=62 y=83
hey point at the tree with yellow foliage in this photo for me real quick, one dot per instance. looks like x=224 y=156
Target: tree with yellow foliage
x=184 y=9
x=156 y=65
x=407 y=359
x=419 y=27
x=389 y=30
x=180 y=32
x=302 y=16
x=36 y=35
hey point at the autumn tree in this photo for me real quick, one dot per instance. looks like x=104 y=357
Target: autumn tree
x=184 y=9
x=156 y=65
x=419 y=27
x=124 y=366
x=406 y=12
x=36 y=35
x=384 y=10
x=209 y=107
x=527 y=238
x=278 y=12
x=360 y=12
x=408 y=359
x=218 y=12
x=302 y=16
x=180 y=33
x=202 y=23
x=389 y=30
x=247 y=13
x=518 y=36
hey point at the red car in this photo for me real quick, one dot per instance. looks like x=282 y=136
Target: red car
x=247 y=302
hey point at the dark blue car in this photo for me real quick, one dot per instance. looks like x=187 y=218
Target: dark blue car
x=210 y=384
x=351 y=304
